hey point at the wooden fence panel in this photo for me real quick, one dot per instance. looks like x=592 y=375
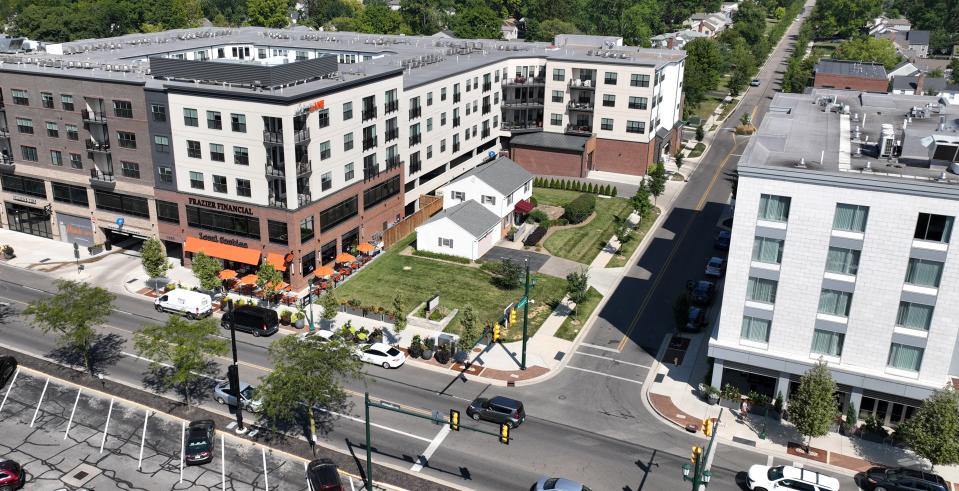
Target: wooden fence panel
x=429 y=206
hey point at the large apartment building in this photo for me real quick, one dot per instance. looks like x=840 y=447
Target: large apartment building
x=843 y=251
x=290 y=146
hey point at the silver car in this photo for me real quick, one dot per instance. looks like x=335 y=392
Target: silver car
x=558 y=484
x=224 y=395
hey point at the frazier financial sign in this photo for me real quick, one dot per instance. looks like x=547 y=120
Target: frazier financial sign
x=246 y=210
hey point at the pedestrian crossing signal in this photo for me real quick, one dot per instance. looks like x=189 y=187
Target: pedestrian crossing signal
x=454 y=420
x=504 y=434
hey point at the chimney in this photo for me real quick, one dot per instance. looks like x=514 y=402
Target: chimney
x=920 y=80
x=700 y=26
x=669 y=42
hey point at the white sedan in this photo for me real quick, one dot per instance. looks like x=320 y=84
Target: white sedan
x=381 y=354
x=320 y=336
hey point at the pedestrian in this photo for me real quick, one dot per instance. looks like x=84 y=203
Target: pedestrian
x=743 y=410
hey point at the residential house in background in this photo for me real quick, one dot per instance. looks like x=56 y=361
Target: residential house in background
x=884 y=24
x=467 y=230
x=509 y=30
x=850 y=75
x=903 y=69
x=918 y=42
x=923 y=85
x=710 y=24
x=675 y=40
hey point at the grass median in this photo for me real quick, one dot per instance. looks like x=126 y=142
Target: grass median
x=623 y=254
x=572 y=325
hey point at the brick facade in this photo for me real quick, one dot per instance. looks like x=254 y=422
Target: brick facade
x=543 y=161
x=623 y=157
x=831 y=81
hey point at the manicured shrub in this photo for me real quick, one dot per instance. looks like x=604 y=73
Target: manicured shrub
x=613 y=193
x=536 y=236
x=537 y=216
x=533 y=201
x=580 y=208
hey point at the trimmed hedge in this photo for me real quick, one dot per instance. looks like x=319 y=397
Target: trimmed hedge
x=580 y=208
x=536 y=236
x=574 y=185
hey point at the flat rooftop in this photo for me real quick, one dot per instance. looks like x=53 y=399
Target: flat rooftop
x=851 y=68
x=420 y=59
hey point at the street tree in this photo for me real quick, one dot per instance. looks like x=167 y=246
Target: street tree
x=868 y=49
x=624 y=232
x=509 y=274
x=933 y=431
x=268 y=278
x=954 y=66
x=73 y=313
x=475 y=20
x=207 y=271
x=268 y=13
x=640 y=200
x=812 y=408
x=424 y=17
x=331 y=305
x=577 y=287
x=700 y=132
x=399 y=314
x=743 y=63
x=153 y=257
x=470 y=330
x=657 y=181
x=180 y=352
x=307 y=378
x=378 y=18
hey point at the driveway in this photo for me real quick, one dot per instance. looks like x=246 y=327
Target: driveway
x=536 y=260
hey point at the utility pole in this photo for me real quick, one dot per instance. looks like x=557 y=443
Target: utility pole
x=233 y=372
x=525 y=317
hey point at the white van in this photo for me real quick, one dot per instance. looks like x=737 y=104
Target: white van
x=189 y=303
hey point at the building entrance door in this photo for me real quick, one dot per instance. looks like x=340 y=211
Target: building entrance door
x=29 y=220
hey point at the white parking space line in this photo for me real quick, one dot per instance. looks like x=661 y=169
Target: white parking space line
x=605 y=374
x=222 y=463
x=266 y=473
x=72 y=412
x=613 y=359
x=143 y=438
x=35 y=413
x=309 y=487
x=182 y=447
x=7 y=393
x=435 y=444
x=769 y=461
x=596 y=346
x=106 y=425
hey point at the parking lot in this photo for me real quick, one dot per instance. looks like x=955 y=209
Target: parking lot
x=73 y=438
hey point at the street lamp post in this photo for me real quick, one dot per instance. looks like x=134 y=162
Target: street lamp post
x=309 y=307
x=698 y=473
x=233 y=372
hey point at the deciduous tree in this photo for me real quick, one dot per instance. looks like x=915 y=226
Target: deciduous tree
x=268 y=13
x=268 y=278
x=577 y=287
x=154 y=260
x=399 y=314
x=470 y=330
x=704 y=65
x=207 y=270
x=476 y=20
x=657 y=181
x=331 y=305
x=933 y=431
x=812 y=408
x=868 y=49
x=181 y=351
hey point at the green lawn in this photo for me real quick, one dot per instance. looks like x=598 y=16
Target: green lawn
x=572 y=325
x=697 y=150
x=582 y=244
x=705 y=109
x=619 y=259
x=384 y=278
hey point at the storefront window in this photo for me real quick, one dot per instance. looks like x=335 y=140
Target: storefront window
x=223 y=222
x=338 y=213
x=75 y=195
x=350 y=239
x=328 y=252
x=120 y=203
x=308 y=263
x=377 y=194
x=24 y=185
x=168 y=211
x=278 y=233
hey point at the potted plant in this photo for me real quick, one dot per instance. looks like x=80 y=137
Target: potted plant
x=430 y=344
x=377 y=335
x=443 y=354
x=7 y=251
x=299 y=319
x=731 y=393
x=285 y=316
x=778 y=403
x=416 y=347
x=363 y=335
x=712 y=394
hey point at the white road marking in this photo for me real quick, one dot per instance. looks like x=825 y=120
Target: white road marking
x=387 y=428
x=72 y=412
x=605 y=374
x=182 y=447
x=106 y=425
x=40 y=402
x=769 y=461
x=143 y=438
x=612 y=359
x=596 y=346
x=222 y=463
x=309 y=487
x=12 y=381
x=424 y=458
x=266 y=474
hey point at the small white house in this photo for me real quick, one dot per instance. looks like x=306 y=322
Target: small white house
x=501 y=186
x=467 y=229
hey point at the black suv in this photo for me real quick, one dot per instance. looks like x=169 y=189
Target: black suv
x=498 y=409
x=199 y=441
x=323 y=476
x=255 y=320
x=901 y=479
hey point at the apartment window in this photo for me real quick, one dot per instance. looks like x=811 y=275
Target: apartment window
x=243 y=188
x=241 y=156
x=443 y=93
x=348 y=141
x=429 y=152
x=606 y=124
x=216 y=153
x=127 y=139
x=637 y=102
x=56 y=158
x=326 y=181
x=162 y=143
x=443 y=145
x=936 y=228
x=196 y=180
x=905 y=357
x=277 y=232
x=130 y=169
x=761 y=290
x=851 y=218
x=415 y=163
x=827 y=342
x=166 y=174
x=24 y=185
x=557 y=96
x=76 y=161
x=774 y=208
x=834 y=302
x=29 y=153
x=159 y=112
x=190 y=117
x=559 y=74
x=381 y=192
x=923 y=272
x=25 y=125
x=347 y=111
x=213 y=120
x=168 y=211
x=46 y=99
x=635 y=127
x=429 y=125
x=445 y=242
x=338 y=213
x=324 y=117
x=755 y=329
x=556 y=119
x=325 y=151
x=348 y=172
x=20 y=97
x=843 y=261
x=52 y=130
x=193 y=149
x=429 y=98
x=610 y=78
x=74 y=195
x=121 y=109
x=490 y=200
x=766 y=250
x=238 y=122
x=637 y=80
x=66 y=102
x=73 y=133
x=369 y=137
x=914 y=316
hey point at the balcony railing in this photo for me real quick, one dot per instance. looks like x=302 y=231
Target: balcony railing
x=456 y=97
x=6 y=160
x=371 y=172
x=393 y=162
x=275 y=170
x=301 y=136
x=487 y=108
x=577 y=129
x=392 y=134
x=304 y=198
x=522 y=125
x=416 y=112
x=485 y=133
x=391 y=106
x=102 y=176
x=369 y=113
x=514 y=104
x=95 y=146
x=524 y=81
x=416 y=139
x=369 y=143
x=277 y=200
x=456 y=147
x=94 y=116
x=4 y=133
x=582 y=84
x=303 y=168
x=580 y=106
x=274 y=137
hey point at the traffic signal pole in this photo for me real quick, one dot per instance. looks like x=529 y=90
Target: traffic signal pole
x=701 y=459
x=525 y=318
x=234 y=371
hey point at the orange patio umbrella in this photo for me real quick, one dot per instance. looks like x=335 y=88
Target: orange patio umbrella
x=366 y=248
x=324 y=271
x=249 y=279
x=345 y=258
x=281 y=286
x=227 y=274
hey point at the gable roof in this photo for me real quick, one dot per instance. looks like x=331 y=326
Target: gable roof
x=469 y=215
x=917 y=37
x=502 y=174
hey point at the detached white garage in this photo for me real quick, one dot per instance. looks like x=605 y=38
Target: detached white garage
x=465 y=230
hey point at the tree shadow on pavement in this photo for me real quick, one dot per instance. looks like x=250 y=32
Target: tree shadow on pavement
x=7 y=313
x=104 y=352
x=158 y=378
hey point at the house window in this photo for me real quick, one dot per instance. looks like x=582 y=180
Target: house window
x=851 y=218
x=159 y=112
x=843 y=261
x=241 y=156
x=190 y=117
x=238 y=122
x=774 y=208
x=905 y=357
x=559 y=74
x=127 y=139
x=29 y=153
x=936 y=228
x=557 y=96
x=637 y=102
x=755 y=329
x=216 y=153
x=348 y=172
x=610 y=78
x=168 y=211
x=834 y=302
x=193 y=149
x=555 y=119
x=458 y=195
x=121 y=109
x=277 y=232
x=923 y=272
x=445 y=242
x=25 y=125
x=196 y=180
x=347 y=111
x=324 y=117
x=213 y=120
x=348 y=141
x=73 y=132
x=20 y=97
x=491 y=200
x=637 y=80
x=66 y=102
x=161 y=143
x=914 y=316
x=76 y=161
x=635 y=127
x=766 y=250
x=827 y=342
x=52 y=130
x=606 y=124
x=46 y=99
x=56 y=158
x=325 y=151
x=761 y=290
x=130 y=169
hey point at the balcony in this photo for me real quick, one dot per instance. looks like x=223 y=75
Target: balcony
x=416 y=112
x=487 y=86
x=456 y=97
x=274 y=170
x=516 y=104
x=304 y=198
x=371 y=172
x=522 y=126
x=416 y=139
x=4 y=133
x=524 y=81
x=577 y=84
x=277 y=200
x=456 y=122
x=301 y=136
x=369 y=143
x=102 y=179
x=273 y=137
x=456 y=147
x=487 y=108
x=577 y=129
x=369 y=113
x=7 y=165
x=303 y=168
x=390 y=107
x=391 y=134
x=580 y=106
x=95 y=146
x=393 y=162
x=94 y=117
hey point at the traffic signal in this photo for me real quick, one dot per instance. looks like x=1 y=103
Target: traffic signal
x=454 y=420
x=512 y=317
x=496 y=330
x=697 y=451
x=708 y=426
x=504 y=434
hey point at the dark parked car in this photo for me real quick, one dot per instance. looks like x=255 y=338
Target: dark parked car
x=701 y=293
x=323 y=476
x=255 y=320
x=11 y=475
x=199 y=442
x=722 y=240
x=902 y=479
x=696 y=319
x=498 y=409
x=8 y=366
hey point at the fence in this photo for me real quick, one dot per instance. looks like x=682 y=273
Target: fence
x=429 y=206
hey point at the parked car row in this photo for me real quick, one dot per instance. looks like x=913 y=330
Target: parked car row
x=770 y=478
